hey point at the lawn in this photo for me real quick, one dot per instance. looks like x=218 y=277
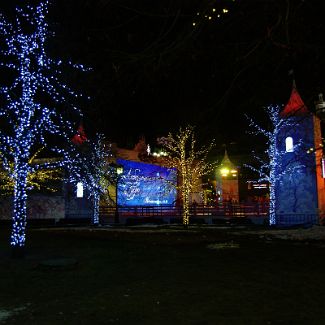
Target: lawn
x=202 y=276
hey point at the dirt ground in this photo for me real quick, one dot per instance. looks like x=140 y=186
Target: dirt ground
x=164 y=275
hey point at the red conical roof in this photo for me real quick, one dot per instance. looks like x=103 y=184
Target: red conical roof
x=295 y=105
x=80 y=137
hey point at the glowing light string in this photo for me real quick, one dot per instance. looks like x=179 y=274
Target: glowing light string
x=36 y=179
x=91 y=168
x=275 y=167
x=189 y=161
x=210 y=14
x=28 y=120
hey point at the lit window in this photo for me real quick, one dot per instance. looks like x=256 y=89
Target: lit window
x=80 y=190
x=224 y=172
x=289 y=144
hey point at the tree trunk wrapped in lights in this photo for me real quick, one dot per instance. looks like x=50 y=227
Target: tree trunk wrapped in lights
x=275 y=167
x=29 y=122
x=189 y=161
x=93 y=170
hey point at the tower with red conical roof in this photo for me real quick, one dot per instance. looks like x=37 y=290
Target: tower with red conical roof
x=80 y=137
x=300 y=194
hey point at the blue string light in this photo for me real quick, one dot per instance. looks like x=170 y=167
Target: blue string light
x=29 y=121
x=275 y=167
x=91 y=168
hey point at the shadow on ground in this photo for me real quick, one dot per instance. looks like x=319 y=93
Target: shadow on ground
x=161 y=276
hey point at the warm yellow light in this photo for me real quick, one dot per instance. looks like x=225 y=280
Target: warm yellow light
x=119 y=170
x=225 y=10
x=210 y=17
x=224 y=171
x=233 y=171
x=214 y=9
x=194 y=24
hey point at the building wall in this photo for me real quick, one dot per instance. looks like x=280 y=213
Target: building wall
x=146 y=184
x=38 y=207
x=318 y=145
x=230 y=191
x=297 y=190
x=75 y=207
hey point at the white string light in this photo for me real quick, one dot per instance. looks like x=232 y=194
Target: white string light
x=28 y=121
x=275 y=167
x=91 y=168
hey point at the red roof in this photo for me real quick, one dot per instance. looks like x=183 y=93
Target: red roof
x=80 y=137
x=295 y=105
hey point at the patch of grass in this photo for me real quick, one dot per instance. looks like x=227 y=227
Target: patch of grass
x=161 y=277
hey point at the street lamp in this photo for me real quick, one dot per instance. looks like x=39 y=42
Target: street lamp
x=118 y=169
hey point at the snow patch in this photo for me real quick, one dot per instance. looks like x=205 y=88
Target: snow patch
x=5 y=314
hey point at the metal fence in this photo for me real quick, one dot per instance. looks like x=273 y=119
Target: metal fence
x=226 y=210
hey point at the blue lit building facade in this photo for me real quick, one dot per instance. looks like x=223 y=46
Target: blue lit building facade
x=146 y=184
x=300 y=189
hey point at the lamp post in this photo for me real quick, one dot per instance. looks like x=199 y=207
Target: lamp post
x=118 y=169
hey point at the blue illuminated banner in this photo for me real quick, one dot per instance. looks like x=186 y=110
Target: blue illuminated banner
x=146 y=184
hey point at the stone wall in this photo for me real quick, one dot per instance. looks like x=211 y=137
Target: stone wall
x=38 y=207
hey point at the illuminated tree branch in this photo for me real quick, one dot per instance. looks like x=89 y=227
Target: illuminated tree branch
x=189 y=161
x=274 y=167
x=36 y=179
x=93 y=170
x=29 y=123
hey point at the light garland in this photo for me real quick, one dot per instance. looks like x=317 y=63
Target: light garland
x=210 y=14
x=29 y=121
x=39 y=179
x=92 y=169
x=190 y=163
x=276 y=167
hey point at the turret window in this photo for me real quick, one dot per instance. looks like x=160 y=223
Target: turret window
x=289 y=144
x=80 y=190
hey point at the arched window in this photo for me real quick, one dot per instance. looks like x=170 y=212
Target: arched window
x=289 y=144
x=80 y=190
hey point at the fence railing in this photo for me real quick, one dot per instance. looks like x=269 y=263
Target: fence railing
x=226 y=210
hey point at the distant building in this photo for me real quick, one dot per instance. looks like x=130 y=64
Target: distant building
x=227 y=189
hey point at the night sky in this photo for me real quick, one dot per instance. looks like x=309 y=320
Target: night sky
x=158 y=65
